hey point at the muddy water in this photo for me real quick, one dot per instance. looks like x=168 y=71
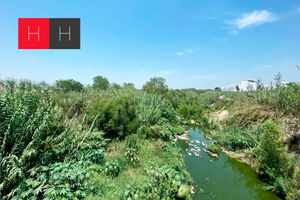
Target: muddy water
x=223 y=178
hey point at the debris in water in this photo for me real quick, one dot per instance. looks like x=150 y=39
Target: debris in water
x=190 y=154
x=213 y=195
x=201 y=191
x=192 y=190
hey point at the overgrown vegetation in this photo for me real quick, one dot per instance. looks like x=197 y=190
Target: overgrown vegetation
x=256 y=127
x=108 y=143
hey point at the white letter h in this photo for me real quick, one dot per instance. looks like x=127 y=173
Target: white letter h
x=38 y=33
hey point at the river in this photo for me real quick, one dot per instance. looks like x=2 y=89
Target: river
x=223 y=178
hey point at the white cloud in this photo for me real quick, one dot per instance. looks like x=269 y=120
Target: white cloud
x=254 y=18
x=189 y=50
x=234 y=32
x=166 y=72
x=179 y=53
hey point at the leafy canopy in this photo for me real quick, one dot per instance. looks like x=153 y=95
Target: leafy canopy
x=101 y=83
x=68 y=85
x=156 y=85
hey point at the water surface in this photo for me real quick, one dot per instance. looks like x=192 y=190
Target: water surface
x=223 y=178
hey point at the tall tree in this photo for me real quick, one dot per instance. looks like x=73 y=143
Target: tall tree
x=156 y=85
x=128 y=85
x=101 y=83
x=68 y=85
x=116 y=86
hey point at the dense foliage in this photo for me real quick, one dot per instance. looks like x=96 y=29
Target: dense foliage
x=156 y=85
x=100 y=83
x=107 y=141
x=68 y=85
x=54 y=143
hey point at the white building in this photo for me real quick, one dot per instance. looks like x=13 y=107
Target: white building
x=247 y=85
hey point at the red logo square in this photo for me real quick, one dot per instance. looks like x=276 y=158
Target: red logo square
x=33 y=33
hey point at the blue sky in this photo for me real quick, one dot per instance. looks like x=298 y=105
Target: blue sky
x=199 y=44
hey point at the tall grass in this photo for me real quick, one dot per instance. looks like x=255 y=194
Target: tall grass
x=284 y=100
x=35 y=135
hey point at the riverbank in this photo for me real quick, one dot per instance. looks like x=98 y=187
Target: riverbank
x=239 y=155
x=221 y=177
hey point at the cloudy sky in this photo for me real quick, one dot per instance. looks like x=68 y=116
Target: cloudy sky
x=199 y=44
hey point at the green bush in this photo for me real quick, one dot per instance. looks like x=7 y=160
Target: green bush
x=183 y=111
x=183 y=190
x=131 y=141
x=234 y=138
x=144 y=132
x=212 y=148
x=179 y=130
x=282 y=185
x=112 y=168
x=271 y=153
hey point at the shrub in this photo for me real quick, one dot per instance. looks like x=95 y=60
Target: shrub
x=213 y=148
x=132 y=156
x=144 y=132
x=131 y=141
x=112 y=168
x=271 y=153
x=179 y=130
x=237 y=139
x=183 y=190
x=183 y=111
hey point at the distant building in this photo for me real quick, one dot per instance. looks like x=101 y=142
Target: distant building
x=248 y=85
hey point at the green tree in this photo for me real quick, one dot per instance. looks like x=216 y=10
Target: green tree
x=116 y=86
x=128 y=85
x=184 y=111
x=24 y=82
x=218 y=89
x=101 y=83
x=68 y=85
x=271 y=153
x=156 y=85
